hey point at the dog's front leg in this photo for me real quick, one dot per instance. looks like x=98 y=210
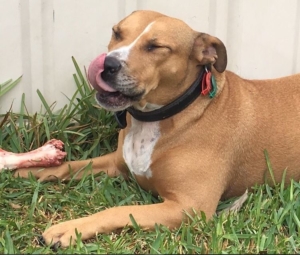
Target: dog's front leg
x=74 y=169
x=112 y=164
x=167 y=213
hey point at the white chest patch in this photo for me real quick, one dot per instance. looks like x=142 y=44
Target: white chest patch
x=138 y=146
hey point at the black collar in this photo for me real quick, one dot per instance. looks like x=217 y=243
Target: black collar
x=166 y=111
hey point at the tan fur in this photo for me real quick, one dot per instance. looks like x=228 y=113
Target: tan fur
x=213 y=149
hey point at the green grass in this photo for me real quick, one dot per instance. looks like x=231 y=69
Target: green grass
x=8 y=85
x=267 y=223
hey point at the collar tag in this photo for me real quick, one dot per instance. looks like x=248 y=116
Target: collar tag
x=209 y=85
x=213 y=91
x=206 y=84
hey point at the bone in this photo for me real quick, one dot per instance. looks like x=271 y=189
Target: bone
x=50 y=154
x=236 y=205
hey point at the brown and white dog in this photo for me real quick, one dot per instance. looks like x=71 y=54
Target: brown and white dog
x=192 y=153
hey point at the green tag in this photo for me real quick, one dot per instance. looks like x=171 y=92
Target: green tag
x=213 y=91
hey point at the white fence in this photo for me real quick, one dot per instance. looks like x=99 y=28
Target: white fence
x=38 y=38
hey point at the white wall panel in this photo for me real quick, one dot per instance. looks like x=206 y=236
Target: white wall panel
x=39 y=37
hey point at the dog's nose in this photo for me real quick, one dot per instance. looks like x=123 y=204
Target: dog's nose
x=111 y=65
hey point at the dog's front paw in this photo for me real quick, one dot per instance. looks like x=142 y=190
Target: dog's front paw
x=60 y=235
x=64 y=234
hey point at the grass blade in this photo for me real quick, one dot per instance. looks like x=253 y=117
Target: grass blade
x=8 y=85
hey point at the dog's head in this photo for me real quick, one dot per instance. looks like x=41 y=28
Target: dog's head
x=152 y=59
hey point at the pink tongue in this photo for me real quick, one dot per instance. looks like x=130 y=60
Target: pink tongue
x=95 y=69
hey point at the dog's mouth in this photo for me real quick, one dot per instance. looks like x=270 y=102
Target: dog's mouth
x=112 y=98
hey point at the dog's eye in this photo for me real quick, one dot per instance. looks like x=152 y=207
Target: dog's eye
x=151 y=47
x=117 y=35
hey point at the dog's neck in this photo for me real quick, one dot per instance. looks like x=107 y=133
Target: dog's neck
x=153 y=112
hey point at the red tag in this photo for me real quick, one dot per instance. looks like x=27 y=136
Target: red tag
x=206 y=83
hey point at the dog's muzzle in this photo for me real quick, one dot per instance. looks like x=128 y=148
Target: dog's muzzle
x=113 y=94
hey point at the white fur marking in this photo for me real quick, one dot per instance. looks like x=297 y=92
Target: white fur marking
x=123 y=52
x=138 y=146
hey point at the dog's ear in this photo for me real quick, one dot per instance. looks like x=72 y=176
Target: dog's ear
x=210 y=50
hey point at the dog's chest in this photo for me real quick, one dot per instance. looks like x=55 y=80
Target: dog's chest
x=138 y=146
